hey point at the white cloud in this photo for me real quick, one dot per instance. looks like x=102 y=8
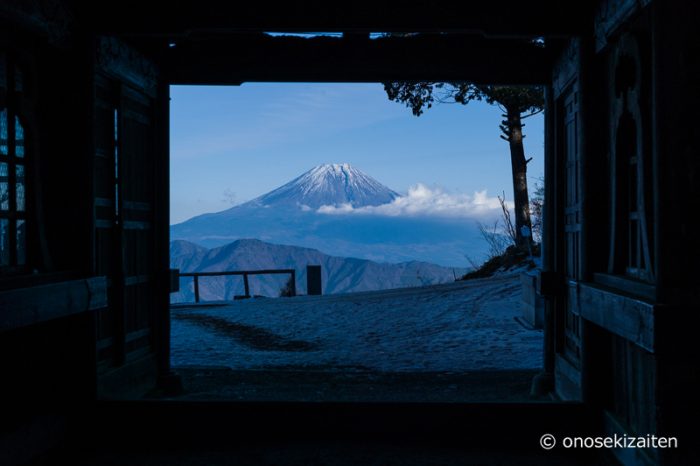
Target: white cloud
x=422 y=200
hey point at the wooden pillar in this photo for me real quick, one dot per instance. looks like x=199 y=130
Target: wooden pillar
x=293 y=278
x=119 y=274
x=246 y=286
x=595 y=344
x=167 y=380
x=544 y=382
x=676 y=97
x=313 y=280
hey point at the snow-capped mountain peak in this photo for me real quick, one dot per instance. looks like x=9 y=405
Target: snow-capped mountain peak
x=329 y=184
x=290 y=215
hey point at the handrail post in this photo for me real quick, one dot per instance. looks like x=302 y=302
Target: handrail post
x=294 y=282
x=246 y=286
x=313 y=280
x=196 y=288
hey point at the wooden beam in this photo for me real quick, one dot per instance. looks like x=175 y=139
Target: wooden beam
x=28 y=306
x=433 y=57
x=630 y=318
x=505 y=18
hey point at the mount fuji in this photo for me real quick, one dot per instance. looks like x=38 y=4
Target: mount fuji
x=330 y=184
x=293 y=215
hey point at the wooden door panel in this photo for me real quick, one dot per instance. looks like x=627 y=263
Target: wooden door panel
x=570 y=347
x=123 y=208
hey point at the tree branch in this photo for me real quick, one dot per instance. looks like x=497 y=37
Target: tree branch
x=531 y=114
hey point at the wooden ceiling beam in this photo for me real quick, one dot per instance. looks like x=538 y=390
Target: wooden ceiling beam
x=420 y=58
x=506 y=18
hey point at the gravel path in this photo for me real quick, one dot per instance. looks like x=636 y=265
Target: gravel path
x=456 y=327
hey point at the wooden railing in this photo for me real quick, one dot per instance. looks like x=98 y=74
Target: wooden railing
x=245 y=274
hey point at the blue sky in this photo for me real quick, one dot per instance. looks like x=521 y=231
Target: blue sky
x=231 y=144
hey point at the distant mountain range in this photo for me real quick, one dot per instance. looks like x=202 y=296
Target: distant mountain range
x=293 y=214
x=339 y=275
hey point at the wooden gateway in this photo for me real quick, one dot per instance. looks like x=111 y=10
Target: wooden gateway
x=84 y=192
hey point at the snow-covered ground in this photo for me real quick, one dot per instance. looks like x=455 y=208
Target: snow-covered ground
x=462 y=326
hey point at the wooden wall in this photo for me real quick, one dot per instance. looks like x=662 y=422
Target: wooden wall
x=627 y=297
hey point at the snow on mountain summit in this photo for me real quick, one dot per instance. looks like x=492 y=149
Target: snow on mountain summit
x=329 y=184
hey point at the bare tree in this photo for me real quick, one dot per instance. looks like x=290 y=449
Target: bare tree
x=287 y=290
x=536 y=209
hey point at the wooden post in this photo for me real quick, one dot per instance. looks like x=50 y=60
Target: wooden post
x=196 y=288
x=313 y=280
x=294 y=282
x=119 y=251
x=174 y=280
x=246 y=286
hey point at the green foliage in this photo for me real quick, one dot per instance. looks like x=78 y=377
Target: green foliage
x=419 y=96
x=536 y=206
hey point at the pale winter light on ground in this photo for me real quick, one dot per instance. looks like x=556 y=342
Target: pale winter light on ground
x=463 y=326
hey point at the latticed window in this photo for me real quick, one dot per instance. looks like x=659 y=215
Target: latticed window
x=631 y=238
x=632 y=177
x=13 y=164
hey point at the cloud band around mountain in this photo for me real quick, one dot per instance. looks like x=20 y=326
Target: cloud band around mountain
x=422 y=200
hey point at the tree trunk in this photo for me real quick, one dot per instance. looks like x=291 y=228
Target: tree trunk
x=519 y=167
